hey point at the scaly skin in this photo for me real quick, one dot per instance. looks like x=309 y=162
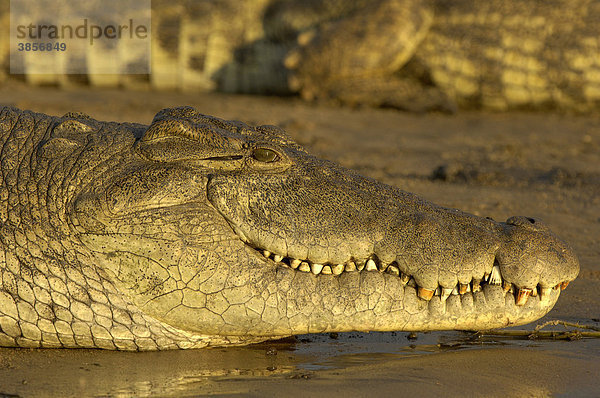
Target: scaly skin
x=197 y=231
x=440 y=54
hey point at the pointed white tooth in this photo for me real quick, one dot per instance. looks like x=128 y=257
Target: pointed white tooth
x=337 y=269
x=277 y=258
x=437 y=291
x=371 y=265
x=327 y=270
x=446 y=293
x=295 y=263
x=241 y=234
x=267 y=253
x=534 y=292
x=545 y=292
x=304 y=267
x=404 y=278
x=455 y=291
x=495 y=276
x=316 y=268
x=350 y=266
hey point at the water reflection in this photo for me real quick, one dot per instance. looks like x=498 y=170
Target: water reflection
x=220 y=370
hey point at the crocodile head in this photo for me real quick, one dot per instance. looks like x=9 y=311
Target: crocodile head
x=221 y=229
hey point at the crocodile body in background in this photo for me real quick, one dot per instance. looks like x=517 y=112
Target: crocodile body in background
x=196 y=231
x=409 y=54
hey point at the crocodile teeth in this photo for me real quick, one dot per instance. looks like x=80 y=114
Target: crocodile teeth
x=446 y=292
x=266 y=253
x=522 y=296
x=534 y=292
x=326 y=270
x=242 y=236
x=295 y=263
x=393 y=270
x=545 y=292
x=425 y=294
x=462 y=289
x=316 y=268
x=337 y=269
x=350 y=266
x=304 y=267
x=404 y=278
x=507 y=286
x=476 y=286
x=495 y=276
x=564 y=285
x=455 y=291
x=277 y=258
x=371 y=265
x=437 y=292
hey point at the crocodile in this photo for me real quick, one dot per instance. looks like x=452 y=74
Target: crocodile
x=446 y=54
x=416 y=55
x=196 y=231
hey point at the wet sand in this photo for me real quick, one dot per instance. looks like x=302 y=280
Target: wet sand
x=497 y=165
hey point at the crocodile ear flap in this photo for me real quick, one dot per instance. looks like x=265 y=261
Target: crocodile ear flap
x=169 y=139
x=198 y=130
x=172 y=122
x=164 y=128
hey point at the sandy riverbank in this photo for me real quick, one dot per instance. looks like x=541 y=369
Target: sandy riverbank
x=496 y=165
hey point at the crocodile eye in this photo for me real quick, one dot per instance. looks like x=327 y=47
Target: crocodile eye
x=265 y=155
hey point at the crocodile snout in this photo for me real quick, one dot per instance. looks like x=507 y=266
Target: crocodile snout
x=532 y=255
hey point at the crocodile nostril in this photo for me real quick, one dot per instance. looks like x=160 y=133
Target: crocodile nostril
x=531 y=220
